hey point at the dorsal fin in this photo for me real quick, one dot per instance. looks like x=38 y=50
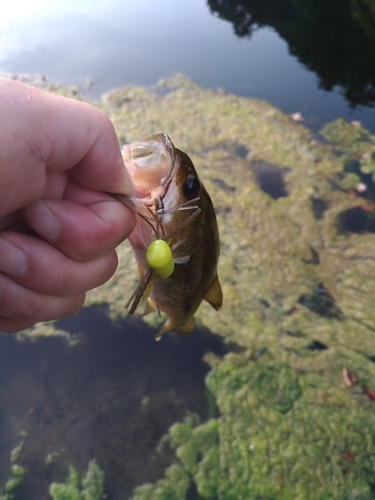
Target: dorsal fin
x=214 y=295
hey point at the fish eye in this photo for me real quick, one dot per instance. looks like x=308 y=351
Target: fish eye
x=191 y=187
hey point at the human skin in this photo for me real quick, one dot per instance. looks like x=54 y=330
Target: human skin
x=59 y=159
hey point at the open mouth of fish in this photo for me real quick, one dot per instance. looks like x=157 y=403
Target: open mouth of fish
x=151 y=164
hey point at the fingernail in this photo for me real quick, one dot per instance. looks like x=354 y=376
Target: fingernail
x=126 y=186
x=46 y=224
x=13 y=260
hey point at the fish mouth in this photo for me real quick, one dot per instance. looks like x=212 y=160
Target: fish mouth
x=151 y=165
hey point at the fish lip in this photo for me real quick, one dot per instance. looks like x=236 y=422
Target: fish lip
x=169 y=146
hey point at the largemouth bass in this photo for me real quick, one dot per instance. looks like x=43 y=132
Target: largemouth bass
x=173 y=207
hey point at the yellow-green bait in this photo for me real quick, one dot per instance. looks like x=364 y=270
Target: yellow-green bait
x=159 y=257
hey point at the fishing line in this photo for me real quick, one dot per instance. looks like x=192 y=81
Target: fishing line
x=183 y=206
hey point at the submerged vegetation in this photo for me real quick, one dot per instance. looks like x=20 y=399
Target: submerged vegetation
x=297 y=265
x=89 y=488
x=16 y=473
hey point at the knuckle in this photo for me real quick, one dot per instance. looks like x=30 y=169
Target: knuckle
x=29 y=307
x=60 y=281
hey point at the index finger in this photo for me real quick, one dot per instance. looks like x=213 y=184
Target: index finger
x=57 y=134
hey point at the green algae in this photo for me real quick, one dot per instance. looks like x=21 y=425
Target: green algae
x=16 y=473
x=14 y=456
x=51 y=458
x=288 y=454
x=191 y=441
x=357 y=147
x=89 y=488
x=298 y=298
x=47 y=329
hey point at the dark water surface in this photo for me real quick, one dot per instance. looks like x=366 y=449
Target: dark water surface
x=112 y=397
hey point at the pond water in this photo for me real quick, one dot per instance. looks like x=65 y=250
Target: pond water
x=101 y=45
x=115 y=394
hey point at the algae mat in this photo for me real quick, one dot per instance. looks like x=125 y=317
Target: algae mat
x=298 y=275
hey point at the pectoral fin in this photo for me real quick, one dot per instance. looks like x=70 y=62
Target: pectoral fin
x=214 y=295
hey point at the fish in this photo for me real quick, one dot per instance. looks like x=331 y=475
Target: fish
x=174 y=212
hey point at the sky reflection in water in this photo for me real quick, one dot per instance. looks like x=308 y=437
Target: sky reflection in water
x=137 y=42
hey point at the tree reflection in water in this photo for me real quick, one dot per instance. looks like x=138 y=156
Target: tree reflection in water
x=334 y=39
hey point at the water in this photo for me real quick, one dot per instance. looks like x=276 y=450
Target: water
x=101 y=45
x=111 y=397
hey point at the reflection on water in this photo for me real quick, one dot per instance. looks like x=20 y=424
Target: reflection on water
x=336 y=40
x=112 y=397
x=102 y=45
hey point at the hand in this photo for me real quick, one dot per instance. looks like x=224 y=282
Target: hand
x=58 y=226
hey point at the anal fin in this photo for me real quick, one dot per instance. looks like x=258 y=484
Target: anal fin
x=185 y=329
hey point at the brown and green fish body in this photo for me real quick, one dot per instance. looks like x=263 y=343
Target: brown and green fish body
x=173 y=205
